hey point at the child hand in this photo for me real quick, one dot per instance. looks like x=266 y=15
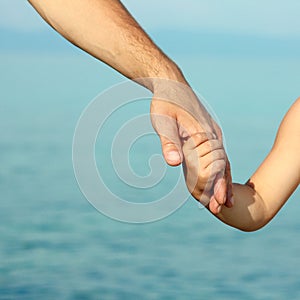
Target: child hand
x=204 y=162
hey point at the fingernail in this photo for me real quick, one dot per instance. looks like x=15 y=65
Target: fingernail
x=219 y=209
x=231 y=200
x=173 y=156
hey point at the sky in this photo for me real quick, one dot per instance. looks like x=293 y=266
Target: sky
x=275 y=18
x=253 y=17
x=172 y=20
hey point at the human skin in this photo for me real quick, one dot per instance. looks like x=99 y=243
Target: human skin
x=107 y=31
x=271 y=185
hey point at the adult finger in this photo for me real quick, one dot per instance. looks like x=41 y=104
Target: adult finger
x=220 y=189
x=163 y=118
x=229 y=200
x=171 y=151
x=223 y=187
x=214 y=206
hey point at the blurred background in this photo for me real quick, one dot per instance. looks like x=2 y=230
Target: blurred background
x=244 y=58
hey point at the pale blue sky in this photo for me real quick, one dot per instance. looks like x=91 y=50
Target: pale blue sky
x=252 y=17
x=276 y=18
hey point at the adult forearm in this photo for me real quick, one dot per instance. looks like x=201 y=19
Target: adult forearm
x=106 y=30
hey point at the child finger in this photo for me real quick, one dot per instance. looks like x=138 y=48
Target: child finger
x=197 y=139
x=208 y=146
x=217 y=166
x=211 y=157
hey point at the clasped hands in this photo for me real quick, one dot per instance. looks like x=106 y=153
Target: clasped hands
x=190 y=136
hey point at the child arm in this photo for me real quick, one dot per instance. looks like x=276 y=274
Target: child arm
x=258 y=201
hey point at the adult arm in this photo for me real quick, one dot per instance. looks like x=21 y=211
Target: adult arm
x=107 y=31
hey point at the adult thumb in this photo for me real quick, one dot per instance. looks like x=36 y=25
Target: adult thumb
x=167 y=130
x=171 y=151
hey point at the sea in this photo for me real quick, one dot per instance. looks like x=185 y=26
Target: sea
x=54 y=243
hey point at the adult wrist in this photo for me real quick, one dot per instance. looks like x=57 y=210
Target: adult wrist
x=158 y=76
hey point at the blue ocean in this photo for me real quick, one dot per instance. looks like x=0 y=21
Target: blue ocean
x=55 y=245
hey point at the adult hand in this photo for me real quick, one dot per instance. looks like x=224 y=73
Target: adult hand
x=176 y=115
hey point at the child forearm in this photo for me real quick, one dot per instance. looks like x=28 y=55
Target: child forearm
x=271 y=185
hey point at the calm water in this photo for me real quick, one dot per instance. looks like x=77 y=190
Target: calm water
x=55 y=245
